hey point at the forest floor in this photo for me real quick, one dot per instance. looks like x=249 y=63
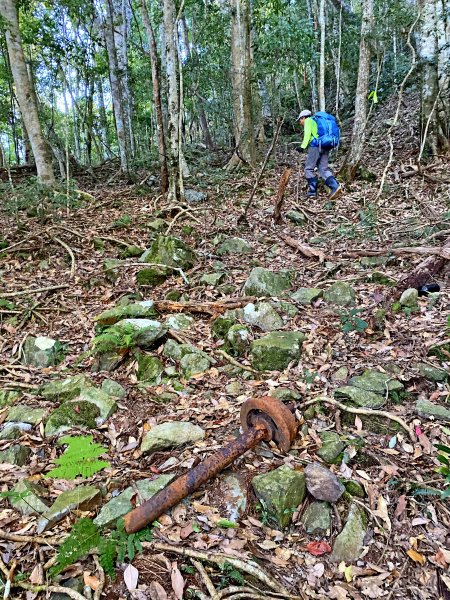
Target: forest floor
x=407 y=543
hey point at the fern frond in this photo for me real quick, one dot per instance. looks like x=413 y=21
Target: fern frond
x=107 y=555
x=80 y=458
x=84 y=536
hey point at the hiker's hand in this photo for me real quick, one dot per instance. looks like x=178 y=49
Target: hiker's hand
x=299 y=149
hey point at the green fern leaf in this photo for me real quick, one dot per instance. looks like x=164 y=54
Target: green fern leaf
x=80 y=458
x=84 y=536
x=107 y=555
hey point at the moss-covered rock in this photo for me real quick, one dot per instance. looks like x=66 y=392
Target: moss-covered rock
x=72 y=414
x=65 y=389
x=409 y=298
x=212 y=279
x=8 y=397
x=377 y=382
x=129 y=333
x=83 y=497
x=431 y=373
x=262 y=282
x=332 y=447
x=381 y=278
x=15 y=455
x=150 y=369
x=296 y=217
x=42 y=351
x=360 y=397
x=169 y=251
x=179 y=322
x=136 y=310
x=428 y=409
x=307 y=295
x=349 y=543
x=263 y=316
x=234 y=245
x=237 y=340
x=192 y=364
x=29 y=498
x=170 y=435
x=111 y=268
x=354 y=488
x=131 y=251
x=340 y=293
x=153 y=276
x=21 y=413
x=276 y=350
x=317 y=518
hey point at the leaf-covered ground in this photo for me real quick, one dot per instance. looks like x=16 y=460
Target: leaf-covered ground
x=407 y=546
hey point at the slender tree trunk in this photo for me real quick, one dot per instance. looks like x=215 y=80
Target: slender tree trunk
x=362 y=90
x=25 y=94
x=314 y=99
x=241 y=84
x=156 y=96
x=103 y=118
x=443 y=42
x=322 y=56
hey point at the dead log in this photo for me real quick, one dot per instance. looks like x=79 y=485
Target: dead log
x=212 y=308
x=425 y=271
x=280 y=195
x=306 y=250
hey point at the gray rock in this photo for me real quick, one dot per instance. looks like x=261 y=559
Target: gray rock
x=194 y=197
x=276 y=350
x=409 y=298
x=137 y=310
x=322 y=483
x=170 y=435
x=307 y=295
x=143 y=331
x=286 y=395
x=179 y=322
x=107 y=361
x=262 y=282
x=65 y=389
x=340 y=375
x=332 y=446
x=280 y=492
x=105 y=403
x=262 y=316
x=431 y=373
x=285 y=308
x=157 y=225
x=72 y=414
x=120 y=505
x=110 y=268
x=15 y=455
x=20 y=413
x=234 y=496
x=340 y=293
x=82 y=498
x=317 y=518
x=296 y=217
x=212 y=279
x=192 y=364
x=427 y=409
x=11 y=431
x=73 y=583
x=29 y=498
x=376 y=382
x=360 y=397
x=153 y=276
x=374 y=261
x=349 y=543
x=150 y=369
x=171 y=252
x=114 y=389
x=234 y=388
x=8 y=397
x=234 y=245
x=42 y=351
x=237 y=340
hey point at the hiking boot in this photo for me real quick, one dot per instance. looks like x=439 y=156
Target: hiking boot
x=312 y=187
x=335 y=188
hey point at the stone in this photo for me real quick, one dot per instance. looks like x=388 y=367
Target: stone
x=111 y=268
x=8 y=397
x=107 y=361
x=171 y=252
x=322 y=484
x=114 y=389
x=234 y=388
x=120 y=505
x=276 y=350
x=136 y=310
x=11 y=431
x=72 y=414
x=360 y=397
x=234 y=245
x=317 y=518
x=176 y=351
x=65 y=389
x=296 y=217
x=83 y=497
x=74 y=583
x=376 y=382
x=194 y=197
x=157 y=225
x=131 y=251
x=332 y=447
x=234 y=487
x=212 y=279
x=15 y=455
x=106 y=404
x=280 y=492
x=194 y=363
x=427 y=409
x=340 y=293
x=354 y=488
x=30 y=501
x=286 y=395
x=262 y=282
x=374 y=261
x=20 y=413
x=42 y=351
x=150 y=369
x=237 y=340
x=221 y=326
x=340 y=375
x=307 y=295
x=170 y=435
x=349 y=543
x=262 y=316
x=409 y=298
x=381 y=278
x=285 y=308
x=431 y=373
x=144 y=332
x=179 y=322
x=153 y=276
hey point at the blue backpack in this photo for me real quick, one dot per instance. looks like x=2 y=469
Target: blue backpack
x=327 y=130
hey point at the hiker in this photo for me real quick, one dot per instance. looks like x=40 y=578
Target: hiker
x=321 y=134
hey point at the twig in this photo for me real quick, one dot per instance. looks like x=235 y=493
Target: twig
x=108 y=238
x=363 y=411
x=206 y=580
x=57 y=589
x=35 y=539
x=101 y=577
x=234 y=362
x=36 y=291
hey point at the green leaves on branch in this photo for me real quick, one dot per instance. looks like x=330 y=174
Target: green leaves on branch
x=79 y=459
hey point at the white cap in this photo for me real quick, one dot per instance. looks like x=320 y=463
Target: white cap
x=304 y=114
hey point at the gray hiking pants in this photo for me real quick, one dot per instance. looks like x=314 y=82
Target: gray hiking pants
x=317 y=158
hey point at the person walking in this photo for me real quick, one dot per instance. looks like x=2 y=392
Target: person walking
x=317 y=155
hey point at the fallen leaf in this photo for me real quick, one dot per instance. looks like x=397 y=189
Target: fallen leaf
x=156 y=591
x=177 y=581
x=382 y=512
x=337 y=593
x=37 y=575
x=130 y=577
x=91 y=581
x=416 y=556
x=443 y=557
x=401 y=506
x=419 y=521
x=372 y=591
x=318 y=548
x=358 y=423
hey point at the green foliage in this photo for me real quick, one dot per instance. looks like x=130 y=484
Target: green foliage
x=122 y=222
x=6 y=304
x=84 y=536
x=114 y=340
x=443 y=457
x=80 y=458
x=37 y=198
x=263 y=511
x=351 y=322
x=230 y=575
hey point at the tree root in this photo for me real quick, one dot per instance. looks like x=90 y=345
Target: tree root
x=71 y=254
x=206 y=579
x=33 y=539
x=363 y=411
x=36 y=291
x=234 y=362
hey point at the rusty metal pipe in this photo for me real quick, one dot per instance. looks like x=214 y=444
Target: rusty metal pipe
x=153 y=508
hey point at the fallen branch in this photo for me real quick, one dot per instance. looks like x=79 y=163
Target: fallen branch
x=280 y=195
x=71 y=254
x=423 y=272
x=182 y=212
x=363 y=411
x=34 y=539
x=304 y=248
x=234 y=362
x=56 y=589
x=212 y=308
x=206 y=579
x=220 y=559
x=35 y=291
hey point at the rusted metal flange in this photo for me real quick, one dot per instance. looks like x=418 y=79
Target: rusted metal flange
x=275 y=415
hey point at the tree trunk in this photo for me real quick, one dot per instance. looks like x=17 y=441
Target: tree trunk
x=156 y=96
x=25 y=94
x=241 y=85
x=322 y=56
x=362 y=90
